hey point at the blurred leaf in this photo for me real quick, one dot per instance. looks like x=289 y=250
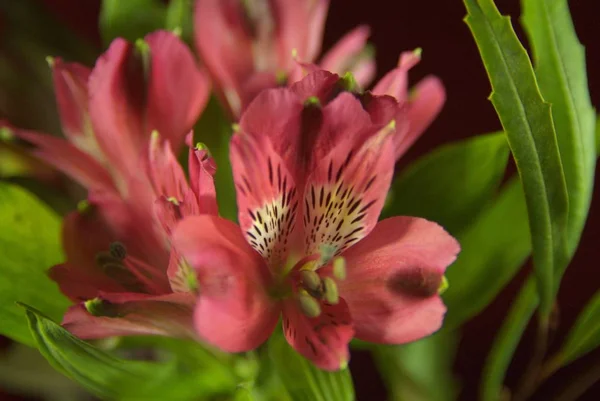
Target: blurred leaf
x=453 y=183
x=585 y=333
x=214 y=130
x=131 y=19
x=506 y=342
x=180 y=17
x=25 y=372
x=305 y=382
x=114 y=378
x=561 y=73
x=493 y=250
x=29 y=245
x=419 y=371
x=527 y=121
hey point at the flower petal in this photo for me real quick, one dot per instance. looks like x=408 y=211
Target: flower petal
x=233 y=310
x=426 y=103
x=323 y=339
x=267 y=197
x=116 y=88
x=395 y=82
x=346 y=56
x=347 y=186
x=69 y=159
x=393 y=277
x=318 y=83
x=225 y=46
x=126 y=314
x=202 y=171
x=177 y=89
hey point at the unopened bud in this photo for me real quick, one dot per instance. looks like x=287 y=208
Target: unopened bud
x=331 y=293
x=308 y=305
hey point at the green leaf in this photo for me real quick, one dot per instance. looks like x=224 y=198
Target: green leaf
x=585 y=333
x=180 y=14
x=29 y=245
x=419 y=371
x=493 y=249
x=214 y=130
x=561 y=73
x=527 y=121
x=303 y=381
x=453 y=183
x=131 y=19
x=506 y=342
x=113 y=378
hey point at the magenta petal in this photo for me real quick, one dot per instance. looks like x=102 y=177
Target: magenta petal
x=393 y=277
x=69 y=159
x=233 y=311
x=70 y=85
x=116 y=91
x=202 y=170
x=424 y=106
x=395 y=82
x=128 y=314
x=323 y=339
x=177 y=90
x=317 y=83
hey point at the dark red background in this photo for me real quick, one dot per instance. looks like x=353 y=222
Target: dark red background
x=450 y=52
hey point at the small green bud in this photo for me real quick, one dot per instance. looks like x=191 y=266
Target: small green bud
x=331 y=292
x=308 y=305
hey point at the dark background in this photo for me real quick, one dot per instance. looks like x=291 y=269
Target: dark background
x=449 y=52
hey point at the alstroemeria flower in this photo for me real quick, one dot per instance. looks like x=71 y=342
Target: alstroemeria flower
x=251 y=45
x=117 y=289
x=311 y=177
x=123 y=121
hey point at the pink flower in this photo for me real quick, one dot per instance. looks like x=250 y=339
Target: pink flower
x=251 y=45
x=123 y=121
x=312 y=175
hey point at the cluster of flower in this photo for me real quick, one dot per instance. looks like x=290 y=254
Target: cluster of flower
x=312 y=156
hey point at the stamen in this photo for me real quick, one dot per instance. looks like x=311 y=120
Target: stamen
x=99 y=307
x=311 y=280
x=339 y=268
x=443 y=285
x=118 y=250
x=308 y=305
x=331 y=293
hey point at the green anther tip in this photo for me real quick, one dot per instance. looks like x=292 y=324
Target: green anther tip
x=312 y=101
x=6 y=134
x=142 y=46
x=339 y=268
x=294 y=53
x=349 y=82
x=154 y=135
x=177 y=31
x=235 y=127
x=443 y=285
x=50 y=61
x=281 y=78
x=173 y=200
x=310 y=279
x=84 y=206
x=343 y=364
x=418 y=52
x=94 y=306
x=308 y=305
x=331 y=293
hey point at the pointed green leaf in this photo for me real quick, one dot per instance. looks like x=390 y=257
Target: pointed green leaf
x=131 y=19
x=29 y=245
x=451 y=184
x=214 y=130
x=303 y=381
x=585 y=334
x=561 y=73
x=506 y=342
x=527 y=121
x=113 y=378
x=493 y=249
